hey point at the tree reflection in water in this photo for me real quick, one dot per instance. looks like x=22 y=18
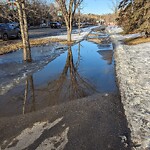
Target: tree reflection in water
x=29 y=94
x=70 y=85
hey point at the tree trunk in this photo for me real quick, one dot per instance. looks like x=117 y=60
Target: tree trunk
x=68 y=8
x=24 y=31
x=28 y=52
x=69 y=35
x=69 y=29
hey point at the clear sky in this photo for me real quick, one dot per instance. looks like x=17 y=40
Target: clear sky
x=97 y=6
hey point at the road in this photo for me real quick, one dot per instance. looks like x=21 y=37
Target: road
x=37 y=33
x=43 y=32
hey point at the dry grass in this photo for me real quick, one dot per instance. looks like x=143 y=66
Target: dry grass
x=135 y=41
x=6 y=47
x=9 y=46
x=67 y=43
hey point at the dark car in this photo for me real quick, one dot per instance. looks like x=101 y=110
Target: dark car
x=9 y=30
x=55 y=25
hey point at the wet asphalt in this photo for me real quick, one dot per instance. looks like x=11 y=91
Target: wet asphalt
x=95 y=123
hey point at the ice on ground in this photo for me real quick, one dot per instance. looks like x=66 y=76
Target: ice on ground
x=29 y=136
x=51 y=142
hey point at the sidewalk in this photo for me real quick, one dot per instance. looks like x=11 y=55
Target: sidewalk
x=96 y=122
x=133 y=74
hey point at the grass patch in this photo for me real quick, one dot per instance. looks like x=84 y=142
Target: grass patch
x=67 y=43
x=135 y=41
x=10 y=46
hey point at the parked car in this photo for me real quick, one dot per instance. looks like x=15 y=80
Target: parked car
x=15 y=24
x=55 y=25
x=8 y=30
x=43 y=25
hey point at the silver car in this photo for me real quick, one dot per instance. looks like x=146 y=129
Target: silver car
x=8 y=31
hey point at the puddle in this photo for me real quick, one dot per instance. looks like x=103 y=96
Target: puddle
x=13 y=69
x=85 y=69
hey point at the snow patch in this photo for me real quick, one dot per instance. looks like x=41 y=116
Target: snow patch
x=50 y=143
x=30 y=135
x=75 y=34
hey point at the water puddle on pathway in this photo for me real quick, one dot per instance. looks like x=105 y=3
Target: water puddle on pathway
x=84 y=69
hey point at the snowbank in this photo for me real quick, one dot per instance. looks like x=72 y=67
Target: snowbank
x=133 y=74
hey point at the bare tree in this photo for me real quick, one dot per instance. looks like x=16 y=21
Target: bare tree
x=68 y=8
x=7 y=14
x=114 y=7
x=11 y=15
x=24 y=30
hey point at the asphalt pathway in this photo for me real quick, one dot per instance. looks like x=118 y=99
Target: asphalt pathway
x=93 y=123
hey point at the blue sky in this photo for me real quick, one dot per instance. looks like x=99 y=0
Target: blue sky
x=97 y=6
